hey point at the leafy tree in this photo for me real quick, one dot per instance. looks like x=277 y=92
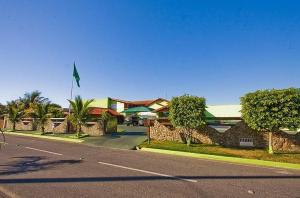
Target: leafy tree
x=80 y=113
x=270 y=110
x=15 y=111
x=42 y=113
x=104 y=119
x=187 y=112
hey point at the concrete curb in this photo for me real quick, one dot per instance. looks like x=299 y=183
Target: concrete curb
x=45 y=137
x=227 y=159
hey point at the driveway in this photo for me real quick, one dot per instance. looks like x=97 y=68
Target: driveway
x=129 y=138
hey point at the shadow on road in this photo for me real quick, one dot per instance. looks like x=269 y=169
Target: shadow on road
x=30 y=164
x=133 y=178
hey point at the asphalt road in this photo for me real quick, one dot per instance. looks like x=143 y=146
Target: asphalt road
x=32 y=167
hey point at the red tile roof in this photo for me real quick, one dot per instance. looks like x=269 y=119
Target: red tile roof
x=142 y=102
x=158 y=99
x=99 y=111
x=162 y=109
x=138 y=102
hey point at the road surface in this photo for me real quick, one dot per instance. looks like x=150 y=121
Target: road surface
x=32 y=167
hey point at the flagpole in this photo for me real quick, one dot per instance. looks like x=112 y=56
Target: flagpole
x=71 y=93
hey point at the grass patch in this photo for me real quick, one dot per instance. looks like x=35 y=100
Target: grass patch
x=259 y=154
x=47 y=134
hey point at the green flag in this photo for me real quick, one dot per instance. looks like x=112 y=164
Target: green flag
x=76 y=75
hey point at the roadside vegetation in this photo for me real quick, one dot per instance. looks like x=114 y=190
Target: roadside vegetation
x=32 y=105
x=271 y=110
x=80 y=113
x=187 y=112
x=259 y=154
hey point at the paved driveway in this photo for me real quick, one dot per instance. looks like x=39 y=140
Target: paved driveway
x=128 y=139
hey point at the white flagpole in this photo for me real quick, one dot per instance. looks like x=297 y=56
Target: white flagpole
x=68 y=128
x=71 y=91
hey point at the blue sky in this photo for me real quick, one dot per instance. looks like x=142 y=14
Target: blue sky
x=133 y=49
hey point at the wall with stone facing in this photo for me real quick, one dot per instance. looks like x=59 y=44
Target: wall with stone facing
x=25 y=125
x=206 y=135
x=93 y=129
x=286 y=142
x=230 y=138
x=55 y=126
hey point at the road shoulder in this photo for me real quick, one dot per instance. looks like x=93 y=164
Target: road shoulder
x=235 y=160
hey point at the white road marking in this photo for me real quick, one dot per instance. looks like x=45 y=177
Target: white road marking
x=43 y=151
x=148 y=172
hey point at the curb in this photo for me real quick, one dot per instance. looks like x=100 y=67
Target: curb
x=226 y=159
x=44 y=137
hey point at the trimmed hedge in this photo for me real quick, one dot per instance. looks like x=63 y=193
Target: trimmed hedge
x=270 y=110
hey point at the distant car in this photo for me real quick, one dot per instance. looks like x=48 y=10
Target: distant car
x=131 y=120
x=141 y=122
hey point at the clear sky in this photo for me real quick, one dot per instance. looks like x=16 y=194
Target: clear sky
x=142 y=49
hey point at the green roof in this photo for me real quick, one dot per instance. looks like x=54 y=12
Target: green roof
x=100 y=103
x=137 y=109
x=223 y=111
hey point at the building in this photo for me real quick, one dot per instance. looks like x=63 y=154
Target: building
x=116 y=106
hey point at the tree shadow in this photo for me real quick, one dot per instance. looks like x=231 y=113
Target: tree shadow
x=136 y=178
x=31 y=164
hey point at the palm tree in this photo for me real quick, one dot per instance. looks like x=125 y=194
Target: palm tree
x=30 y=101
x=15 y=111
x=42 y=113
x=56 y=110
x=104 y=119
x=80 y=113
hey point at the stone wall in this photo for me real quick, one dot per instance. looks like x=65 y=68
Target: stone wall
x=24 y=125
x=230 y=138
x=207 y=135
x=286 y=142
x=93 y=129
x=55 y=126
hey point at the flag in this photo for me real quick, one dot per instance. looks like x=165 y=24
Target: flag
x=76 y=75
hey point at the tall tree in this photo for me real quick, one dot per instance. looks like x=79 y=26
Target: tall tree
x=42 y=113
x=270 y=110
x=187 y=112
x=30 y=101
x=56 y=110
x=80 y=113
x=15 y=112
